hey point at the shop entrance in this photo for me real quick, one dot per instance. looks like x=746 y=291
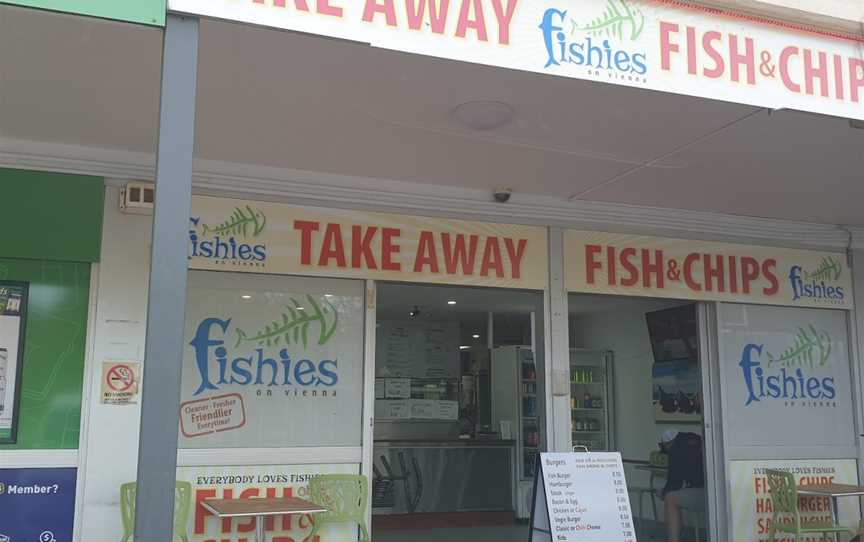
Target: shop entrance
x=460 y=412
x=637 y=387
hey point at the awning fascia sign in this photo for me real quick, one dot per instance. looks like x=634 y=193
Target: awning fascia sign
x=263 y=237
x=148 y=12
x=635 y=265
x=650 y=44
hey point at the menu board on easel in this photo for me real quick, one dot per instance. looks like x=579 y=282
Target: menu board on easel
x=581 y=497
x=13 y=308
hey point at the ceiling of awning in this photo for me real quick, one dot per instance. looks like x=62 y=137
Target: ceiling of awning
x=283 y=100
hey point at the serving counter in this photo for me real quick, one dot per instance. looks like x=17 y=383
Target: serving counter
x=423 y=476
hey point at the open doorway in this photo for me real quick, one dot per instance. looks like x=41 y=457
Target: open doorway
x=637 y=388
x=460 y=412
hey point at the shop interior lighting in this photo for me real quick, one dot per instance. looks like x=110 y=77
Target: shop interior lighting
x=464 y=347
x=451 y=302
x=476 y=335
x=246 y=296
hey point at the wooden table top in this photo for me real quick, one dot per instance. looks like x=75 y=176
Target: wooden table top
x=832 y=490
x=232 y=508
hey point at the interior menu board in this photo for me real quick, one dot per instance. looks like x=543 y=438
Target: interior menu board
x=13 y=307
x=581 y=497
x=417 y=350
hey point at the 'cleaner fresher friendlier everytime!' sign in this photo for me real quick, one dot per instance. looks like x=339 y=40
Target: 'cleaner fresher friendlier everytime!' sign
x=658 y=45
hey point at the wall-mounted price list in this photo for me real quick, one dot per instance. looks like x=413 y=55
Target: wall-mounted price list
x=582 y=497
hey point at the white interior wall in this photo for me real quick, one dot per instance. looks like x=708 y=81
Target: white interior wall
x=120 y=324
x=623 y=331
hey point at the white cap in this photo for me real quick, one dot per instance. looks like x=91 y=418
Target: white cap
x=668 y=436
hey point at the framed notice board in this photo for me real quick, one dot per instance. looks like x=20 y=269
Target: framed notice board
x=13 y=319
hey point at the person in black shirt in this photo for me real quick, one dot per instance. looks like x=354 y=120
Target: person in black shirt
x=685 y=484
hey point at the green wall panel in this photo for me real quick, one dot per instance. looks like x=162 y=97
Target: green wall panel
x=150 y=12
x=54 y=352
x=51 y=216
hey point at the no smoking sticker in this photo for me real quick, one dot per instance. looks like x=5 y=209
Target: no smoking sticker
x=120 y=382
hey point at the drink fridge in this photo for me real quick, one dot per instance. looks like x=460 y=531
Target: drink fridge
x=592 y=399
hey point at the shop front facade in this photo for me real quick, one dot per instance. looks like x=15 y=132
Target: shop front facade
x=303 y=356
x=426 y=338
x=299 y=318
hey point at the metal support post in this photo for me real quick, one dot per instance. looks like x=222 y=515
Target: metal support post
x=160 y=400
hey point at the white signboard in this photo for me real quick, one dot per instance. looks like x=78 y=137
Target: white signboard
x=666 y=46
x=416 y=350
x=638 y=265
x=786 y=376
x=275 y=238
x=392 y=409
x=581 y=497
x=272 y=361
x=397 y=388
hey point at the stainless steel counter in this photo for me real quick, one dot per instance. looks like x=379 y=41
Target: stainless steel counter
x=417 y=476
x=454 y=443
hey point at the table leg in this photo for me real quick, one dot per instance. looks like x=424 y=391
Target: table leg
x=259 y=529
x=835 y=515
x=653 y=497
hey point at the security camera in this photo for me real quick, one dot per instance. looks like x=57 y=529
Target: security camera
x=502 y=195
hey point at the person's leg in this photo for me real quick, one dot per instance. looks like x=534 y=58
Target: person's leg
x=673 y=517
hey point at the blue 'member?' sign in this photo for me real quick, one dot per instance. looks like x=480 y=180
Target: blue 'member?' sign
x=37 y=505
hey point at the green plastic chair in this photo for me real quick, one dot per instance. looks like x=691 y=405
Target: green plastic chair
x=784 y=498
x=182 y=506
x=344 y=496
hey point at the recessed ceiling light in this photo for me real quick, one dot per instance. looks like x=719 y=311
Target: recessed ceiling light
x=328 y=295
x=476 y=336
x=464 y=347
x=246 y=296
x=451 y=302
x=484 y=115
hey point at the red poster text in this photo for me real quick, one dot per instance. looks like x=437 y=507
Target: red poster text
x=439 y=253
x=643 y=268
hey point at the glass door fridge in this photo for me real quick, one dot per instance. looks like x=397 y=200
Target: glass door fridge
x=592 y=399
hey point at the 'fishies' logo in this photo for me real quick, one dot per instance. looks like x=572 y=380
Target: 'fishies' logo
x=789 y=375
x=820 y=284
x=260 y=366
x=229 y=242
x=600 y=45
